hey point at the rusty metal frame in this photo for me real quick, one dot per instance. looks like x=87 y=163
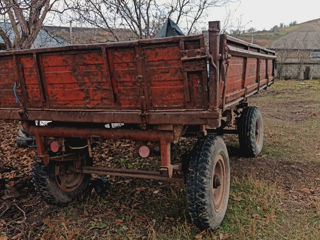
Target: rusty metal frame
x=128 y=173
x=164 y=137
x=251 y=46
x=200 y=117
x=79 y=132
x=98 y=46
x=246 y=53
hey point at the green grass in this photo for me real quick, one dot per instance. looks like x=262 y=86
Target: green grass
x=251 y=211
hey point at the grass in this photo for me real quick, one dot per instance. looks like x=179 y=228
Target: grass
x=250 y=213
x=251 y=210
x=265 y=198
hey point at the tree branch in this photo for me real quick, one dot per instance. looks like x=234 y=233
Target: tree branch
x=6 y=39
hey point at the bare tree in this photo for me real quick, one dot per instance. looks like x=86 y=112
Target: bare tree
x=282 y=57
x=21 y=21
x=143 y=17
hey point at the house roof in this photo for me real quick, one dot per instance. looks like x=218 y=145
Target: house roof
x=306 y=36
x=54 y=36
x=44 y=38
x=82 y=35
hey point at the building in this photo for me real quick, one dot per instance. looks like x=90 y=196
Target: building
x=80 y=35
x=44 y=39
x=55 y=36
x=298 y=52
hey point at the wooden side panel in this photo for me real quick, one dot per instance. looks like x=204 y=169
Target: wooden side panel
x=243 y=76
x=263 y=70
x=76 y=80
x=163 y=69
x=251 y=73
x=270 y=68
x=250 y=69
x=122 y=62
x=143 y=75
x=98 y=82
x=234 y=76
x=176 y=75
x=197 y=85
x=7 y=80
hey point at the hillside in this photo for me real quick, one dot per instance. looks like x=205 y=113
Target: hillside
x=266 y=38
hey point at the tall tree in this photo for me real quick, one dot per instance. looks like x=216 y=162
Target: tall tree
x=21 y=21
x=143 y=17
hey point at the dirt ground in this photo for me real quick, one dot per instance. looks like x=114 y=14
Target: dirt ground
x=290 y=161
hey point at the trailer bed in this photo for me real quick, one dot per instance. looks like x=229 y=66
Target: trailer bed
x=161 y=81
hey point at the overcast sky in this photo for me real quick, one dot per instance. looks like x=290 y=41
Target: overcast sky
x=264 y=14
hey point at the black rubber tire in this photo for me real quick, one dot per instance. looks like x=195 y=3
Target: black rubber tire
x=47 y=185
x=208 y=153
x=250 y=131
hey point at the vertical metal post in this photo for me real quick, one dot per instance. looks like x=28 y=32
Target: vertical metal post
x=187 y=97
x=214 y=51
x=165 y=149
x=224 y=67
x=107 y=73
x=267 y=71
x=143 y=82
x=258 y=73
x=244 y=75
x=40 y=79
x=42 y=153
x=166 y=168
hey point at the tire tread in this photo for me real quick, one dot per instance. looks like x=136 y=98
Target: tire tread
x=246 y=131
x=199 y=202
x=48 y=189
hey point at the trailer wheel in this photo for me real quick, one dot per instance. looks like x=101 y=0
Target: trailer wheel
x=208 y=183
x=250 y=130
x=57 y=184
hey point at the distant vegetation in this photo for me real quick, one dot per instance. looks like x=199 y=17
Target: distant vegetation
x=264 y=37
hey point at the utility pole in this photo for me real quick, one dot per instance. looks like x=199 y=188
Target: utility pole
x=71 y=33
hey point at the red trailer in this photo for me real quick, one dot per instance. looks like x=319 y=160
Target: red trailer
x=160 y=89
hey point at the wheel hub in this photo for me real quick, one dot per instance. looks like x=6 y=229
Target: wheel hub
x=216 y=182
x=219 y=182
x=66 y=178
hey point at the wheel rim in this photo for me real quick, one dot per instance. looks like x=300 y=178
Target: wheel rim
x=66 y=178
x=219 y=182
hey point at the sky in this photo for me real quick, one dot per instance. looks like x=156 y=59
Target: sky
x=264 y=14
x=258 y=14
